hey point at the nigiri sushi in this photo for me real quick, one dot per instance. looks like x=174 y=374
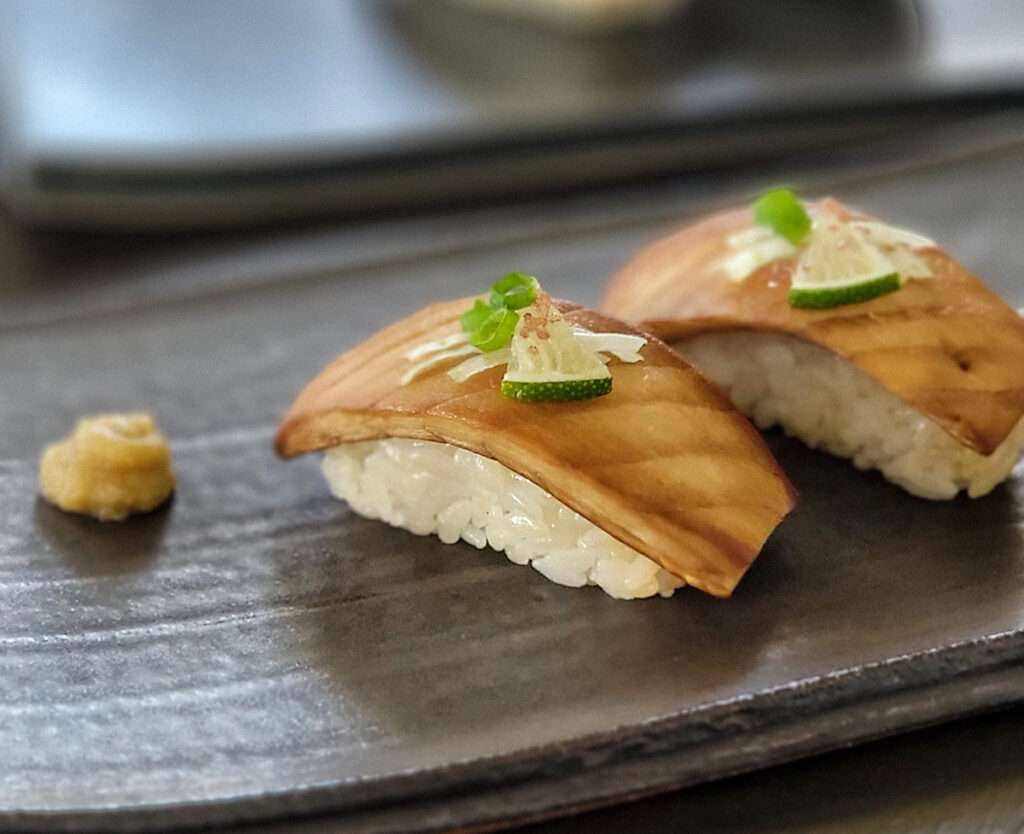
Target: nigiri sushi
x=560 y=436
x=861 y=339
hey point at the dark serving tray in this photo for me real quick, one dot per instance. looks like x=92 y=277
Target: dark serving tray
x=253 y=650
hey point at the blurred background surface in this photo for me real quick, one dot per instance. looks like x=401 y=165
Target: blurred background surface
x=138 y=113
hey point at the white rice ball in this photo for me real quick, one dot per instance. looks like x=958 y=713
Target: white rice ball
x=427 y=487
x=831 y=404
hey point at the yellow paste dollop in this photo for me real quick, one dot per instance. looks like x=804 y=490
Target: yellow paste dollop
x=111 y=466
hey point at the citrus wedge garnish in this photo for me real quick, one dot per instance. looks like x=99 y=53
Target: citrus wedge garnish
x=547 y=357
x=561 y=391
x=549 y=363
x=836 y=294
x=840 y=265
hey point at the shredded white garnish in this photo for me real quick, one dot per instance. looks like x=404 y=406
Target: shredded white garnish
x=751 y=236
x=623 y=346
x=753 y=248
x=907 y=264
x=480 y=363
x=434 y=358
x=438 y=345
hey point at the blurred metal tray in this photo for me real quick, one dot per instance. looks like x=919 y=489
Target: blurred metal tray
x=129 y=114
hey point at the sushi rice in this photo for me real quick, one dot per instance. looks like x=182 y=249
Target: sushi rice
x=429 y=488
x=831 y=404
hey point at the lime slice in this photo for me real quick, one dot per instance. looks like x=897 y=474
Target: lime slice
x=899 y=246
x=548 y=362
x=751 y=249
x=568 y=389
x=837 y=294
x=840 y=265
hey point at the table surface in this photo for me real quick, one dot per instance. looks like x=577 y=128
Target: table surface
x=964 y=776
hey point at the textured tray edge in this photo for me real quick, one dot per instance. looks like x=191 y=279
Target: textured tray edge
x=744 y=734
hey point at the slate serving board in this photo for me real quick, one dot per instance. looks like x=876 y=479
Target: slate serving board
x=253 y=650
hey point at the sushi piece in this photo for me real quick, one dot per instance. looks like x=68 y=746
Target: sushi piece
x=550 y=432
x=864 y=340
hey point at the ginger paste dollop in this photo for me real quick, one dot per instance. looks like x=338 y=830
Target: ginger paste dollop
x=111 y=466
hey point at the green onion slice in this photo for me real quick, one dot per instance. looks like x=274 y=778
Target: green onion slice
x=496 y=330
x=783 y=212
x=514 y=291
x=475 y=316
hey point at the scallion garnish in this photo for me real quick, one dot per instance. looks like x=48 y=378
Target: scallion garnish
x=784 y=213
x=552 y=360
x=514 y=291
x=496 y=330
x=475 y=316
x=490 y=325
